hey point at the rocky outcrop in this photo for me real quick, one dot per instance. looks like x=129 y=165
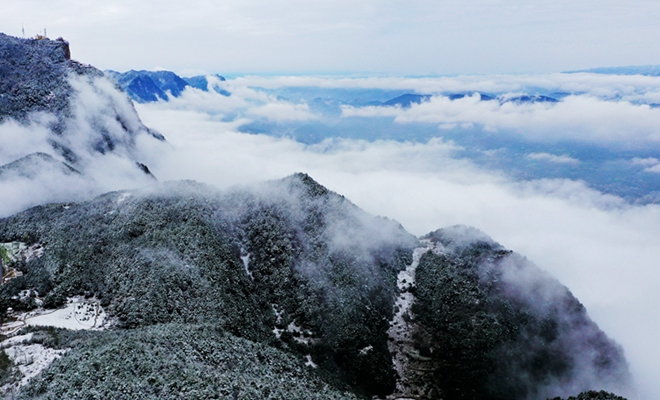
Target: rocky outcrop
x=83 y=112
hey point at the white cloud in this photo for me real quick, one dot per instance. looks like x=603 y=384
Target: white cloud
x=603 y=249
x=552 y=158
x=366 y=35
x=649 y=161
x=652 y=164
x=577 y=118
x=655 y=169
x=283 y=111
x=18 y=140
x=97 y=109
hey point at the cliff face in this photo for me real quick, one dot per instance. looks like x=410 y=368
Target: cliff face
x=83 y=111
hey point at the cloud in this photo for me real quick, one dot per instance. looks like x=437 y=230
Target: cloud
x=244 y=102
x=18 y=140
x=604 y=249
x=283 y=111
x=427 y=37
x=101 y=132
x=552 y=158
x=651 y=164
x=576 y=118
x=649 y=161
x=596 y=85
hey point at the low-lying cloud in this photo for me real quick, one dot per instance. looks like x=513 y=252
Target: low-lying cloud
x=602 y=247
x=553 y=158
x=577 y=118
x=98 y=140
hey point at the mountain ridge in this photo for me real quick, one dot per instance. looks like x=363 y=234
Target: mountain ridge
x=286 y=263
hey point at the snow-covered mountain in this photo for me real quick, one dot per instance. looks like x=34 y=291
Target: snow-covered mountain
x=149 y=86
x=58 y=115
x=82 y=110
x=282 y=289
x=360 y=303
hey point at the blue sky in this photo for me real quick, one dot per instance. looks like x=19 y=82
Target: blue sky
x=341 y=36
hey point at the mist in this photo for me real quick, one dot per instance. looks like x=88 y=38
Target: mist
x=601 y=247
x=95 y=153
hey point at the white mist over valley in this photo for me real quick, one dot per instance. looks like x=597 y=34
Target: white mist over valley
x=602 y=247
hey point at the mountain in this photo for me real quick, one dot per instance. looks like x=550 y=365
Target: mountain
x=406 y=100
x=203 y=82
x=457 y=96
x=648 y=70
x=150 y=86
x=296 y=293
x=33 y=164
x=527 y=99
x=66 y=131
x=83 y=115
x=282 y=289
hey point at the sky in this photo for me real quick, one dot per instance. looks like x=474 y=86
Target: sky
x=423 y=37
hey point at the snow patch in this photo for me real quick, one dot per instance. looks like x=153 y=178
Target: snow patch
x=405 y=357
x=33 y=252
x=309 y=362
x=29 y=358
x=12 y=341
x=245 y=257
x=278 y=320
x=300 y=335
x=79 y=313
x=123 y=197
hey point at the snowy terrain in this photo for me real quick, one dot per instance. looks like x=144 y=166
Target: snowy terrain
x=79 y=313
x=29 y=358
x=407 y=360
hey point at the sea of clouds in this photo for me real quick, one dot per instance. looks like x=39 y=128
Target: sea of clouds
x=604 y=248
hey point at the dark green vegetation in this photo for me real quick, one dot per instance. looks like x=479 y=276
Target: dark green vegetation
x=593 y=395
x=5 y=367
x=173 y=361
x=497 y=327
x=226 y=293
x=33 y=77
x=173 y=254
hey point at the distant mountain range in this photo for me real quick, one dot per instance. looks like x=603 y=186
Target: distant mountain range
x=149 y=86
x=647 y=70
